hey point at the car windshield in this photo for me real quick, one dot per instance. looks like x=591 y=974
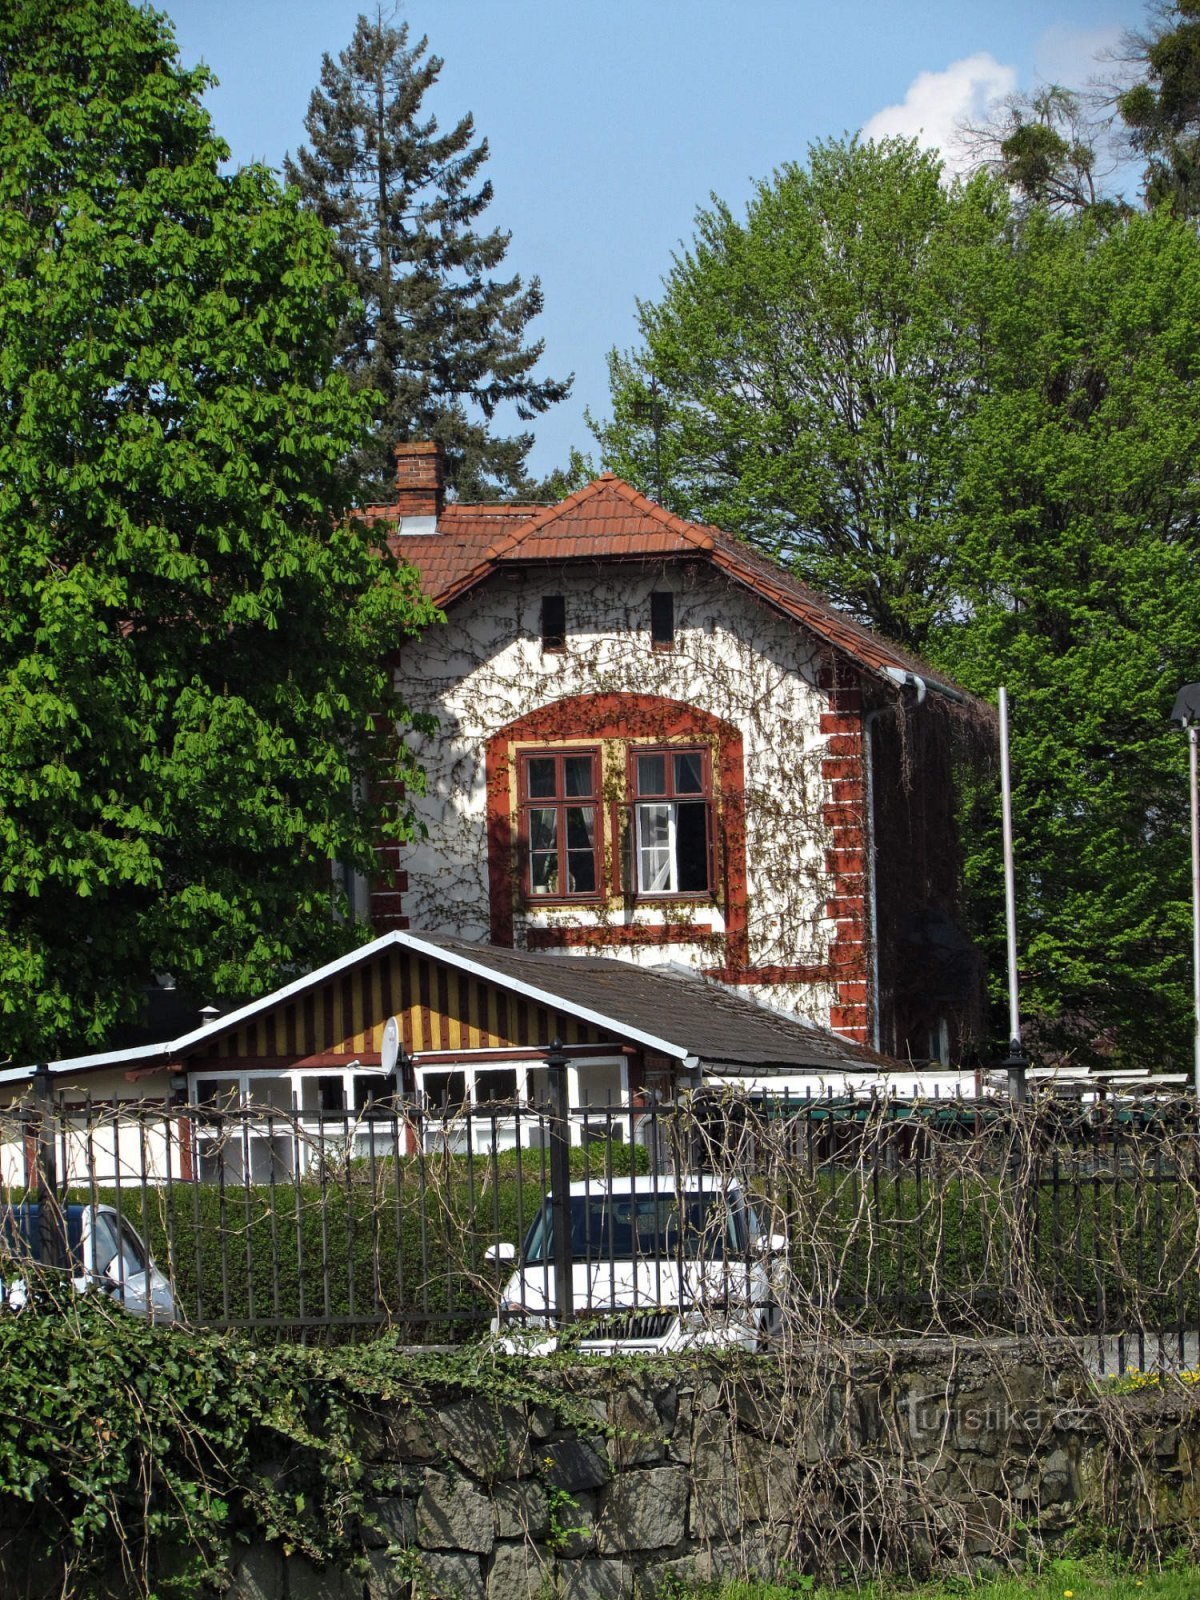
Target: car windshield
x=116 y=1255
x=623 y=1227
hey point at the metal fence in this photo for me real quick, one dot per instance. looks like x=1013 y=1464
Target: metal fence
x=761 y=1221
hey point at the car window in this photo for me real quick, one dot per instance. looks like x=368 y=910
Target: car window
x=111 y=1242
x=624 y=1227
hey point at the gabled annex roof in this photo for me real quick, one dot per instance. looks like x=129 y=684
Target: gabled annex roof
x=609 y=520
x=689 y=1019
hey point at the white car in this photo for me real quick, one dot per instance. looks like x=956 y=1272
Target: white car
x=105 y=1254
x=658 y=1263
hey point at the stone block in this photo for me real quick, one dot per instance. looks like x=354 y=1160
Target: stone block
x=766 y=1475
x=453 y=1514
x=305 y=1581
x=489 y=1441
x=680 y=1446
x=451 y=1575
x=638 y=1428
x=393 y=1520
x=259 y=1574
x=573 y=1464
x=386 y=1580
x=644 y=1510
x=519 y=1572
x=521 y=1510
x=715 y=1508
x=576 y=1525
x=594 y=1580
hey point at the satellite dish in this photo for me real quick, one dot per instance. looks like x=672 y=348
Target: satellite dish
x=391 y=1045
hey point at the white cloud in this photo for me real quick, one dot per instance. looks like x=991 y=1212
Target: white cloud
x=938 y=103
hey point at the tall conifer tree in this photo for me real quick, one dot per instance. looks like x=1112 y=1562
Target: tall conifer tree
x=439 y=338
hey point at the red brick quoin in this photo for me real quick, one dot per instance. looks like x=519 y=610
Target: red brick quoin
x=845 y=856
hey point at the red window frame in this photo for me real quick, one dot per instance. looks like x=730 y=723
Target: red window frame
x=669 y=795
x=560 y=803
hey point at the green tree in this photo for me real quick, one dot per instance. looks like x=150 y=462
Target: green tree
x=1046 y=146
x=815 y=364
x=194 y=706
x=1075 y=561
x=1162 y=110
x=439 y=340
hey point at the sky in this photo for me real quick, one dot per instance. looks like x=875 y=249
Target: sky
x=610 y=122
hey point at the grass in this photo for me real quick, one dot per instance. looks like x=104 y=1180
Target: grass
x=1091 y=1578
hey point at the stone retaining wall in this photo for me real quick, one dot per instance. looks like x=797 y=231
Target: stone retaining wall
x=658 y=1477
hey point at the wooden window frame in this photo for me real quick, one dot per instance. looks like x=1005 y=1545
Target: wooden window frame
x=560 y=802
x=669 y=796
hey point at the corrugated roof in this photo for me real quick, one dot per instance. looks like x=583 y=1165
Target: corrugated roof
x=609 y=520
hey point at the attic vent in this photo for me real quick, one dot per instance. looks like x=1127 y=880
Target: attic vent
x=662 y=620
x=554 y=622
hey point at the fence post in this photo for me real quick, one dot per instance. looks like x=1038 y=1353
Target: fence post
x=560 y=1183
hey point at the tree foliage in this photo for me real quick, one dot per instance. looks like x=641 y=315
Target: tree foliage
x=1079 y=523
x=436 y=336
x=977 y=431
x=192 y=640
x=1162 y=109
x=1045 y=146
x=815 y=362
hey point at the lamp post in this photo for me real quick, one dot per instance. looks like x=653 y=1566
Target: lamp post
x=560 y=1182
x=1186 y=712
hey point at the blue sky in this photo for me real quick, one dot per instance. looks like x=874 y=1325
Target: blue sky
x=611 y=121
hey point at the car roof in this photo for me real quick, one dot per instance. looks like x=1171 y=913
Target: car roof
x=661 y=1183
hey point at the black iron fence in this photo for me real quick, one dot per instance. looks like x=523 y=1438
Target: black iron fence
x=724 y=1219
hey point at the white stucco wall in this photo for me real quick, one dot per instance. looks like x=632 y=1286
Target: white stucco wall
x=733 y=658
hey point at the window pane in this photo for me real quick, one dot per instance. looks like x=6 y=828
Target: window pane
x=652 y=774
x=543 y=831
x=689 y=772
x=577 y=775
x=581 y=865
x=498 y=1084
x=691 y=847
x=543 y=872
x=445 y=1090
x=540 y=777
x=332 y=1093
x=580 y=828
x=654 y=853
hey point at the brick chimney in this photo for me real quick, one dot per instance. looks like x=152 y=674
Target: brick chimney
x=419 y=480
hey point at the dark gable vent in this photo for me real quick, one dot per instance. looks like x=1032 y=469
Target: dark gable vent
x=662 y=620
x=554 y=622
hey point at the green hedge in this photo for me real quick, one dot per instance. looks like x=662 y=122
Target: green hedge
x=889 y=1249
x=397 y=1241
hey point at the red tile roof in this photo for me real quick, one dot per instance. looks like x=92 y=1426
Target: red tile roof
x=610 y=521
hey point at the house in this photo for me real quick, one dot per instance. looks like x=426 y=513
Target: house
x=654 y=744
x=473 y=1024
x=680 y=813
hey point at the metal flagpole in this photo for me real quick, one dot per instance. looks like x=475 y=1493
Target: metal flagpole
x=1193 y=738
x=1016 y=1062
